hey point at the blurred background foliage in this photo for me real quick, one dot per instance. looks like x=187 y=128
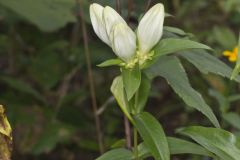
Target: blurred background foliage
x=44 y=81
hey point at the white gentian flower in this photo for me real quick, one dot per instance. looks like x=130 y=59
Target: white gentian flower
x=111 y=18
x=123 y=42
x=96 y=12
x=150 y=28
x=111 y=28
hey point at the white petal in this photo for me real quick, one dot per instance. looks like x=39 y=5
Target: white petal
x=111 y=18
x=124 y=42
x=96 y=16
x=150 y=28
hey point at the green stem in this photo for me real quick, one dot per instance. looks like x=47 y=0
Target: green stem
x=136 y=103
x=135 y=134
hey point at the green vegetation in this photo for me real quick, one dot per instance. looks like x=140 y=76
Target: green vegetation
x=67 y=95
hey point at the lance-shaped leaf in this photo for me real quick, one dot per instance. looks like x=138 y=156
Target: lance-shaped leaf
x=177 y=146
x=207 y=63
x=47 y=15
x=216 y=140
x=223 y=102
x=233 y=119
x=131 y=80
x=224 y=36
x=174 y=30
x=172 y=70
x=153 y=135
x=119 y=94
x=110 y=62
x=143 y=93
x=116 y=154
x=172 y=45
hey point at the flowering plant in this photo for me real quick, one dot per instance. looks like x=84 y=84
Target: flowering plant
x=131 y=48
x=145 y=54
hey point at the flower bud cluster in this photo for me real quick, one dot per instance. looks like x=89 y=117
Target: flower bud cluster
x=129 y=46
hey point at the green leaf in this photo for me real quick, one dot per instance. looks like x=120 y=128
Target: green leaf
x=153 y=135
x=174 y=30
x=234 y=97
x=168 y=15
x=236 y=69
x=233 y=119
x=120 y=143
x=235 y=72
x=172 y=45
x=116 y=154
x=238 y=141
x=225 y=37
x=206 y=63
x=110 y=62
x=218 y=141
x=22 y=87
x=222 y=101
x=131 y=80
x=47 y=15
x=143 y=93
x=177 y=146
x=172 y=70
x=119 y=94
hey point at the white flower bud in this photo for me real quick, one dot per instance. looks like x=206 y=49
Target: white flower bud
x=123 y=42
x=111 y=18
x=96 y=16
x=150 y=28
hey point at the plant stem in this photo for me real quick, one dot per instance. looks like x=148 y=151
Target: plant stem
x=148 y=4
x=176 y=5
x=118 y=6
x=135 y=134
x=136 y=102
x=63 y=89
x=127 y=132
x=130 y=7
x=90 y=78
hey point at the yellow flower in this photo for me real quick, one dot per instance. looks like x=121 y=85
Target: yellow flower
x=232 y=55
